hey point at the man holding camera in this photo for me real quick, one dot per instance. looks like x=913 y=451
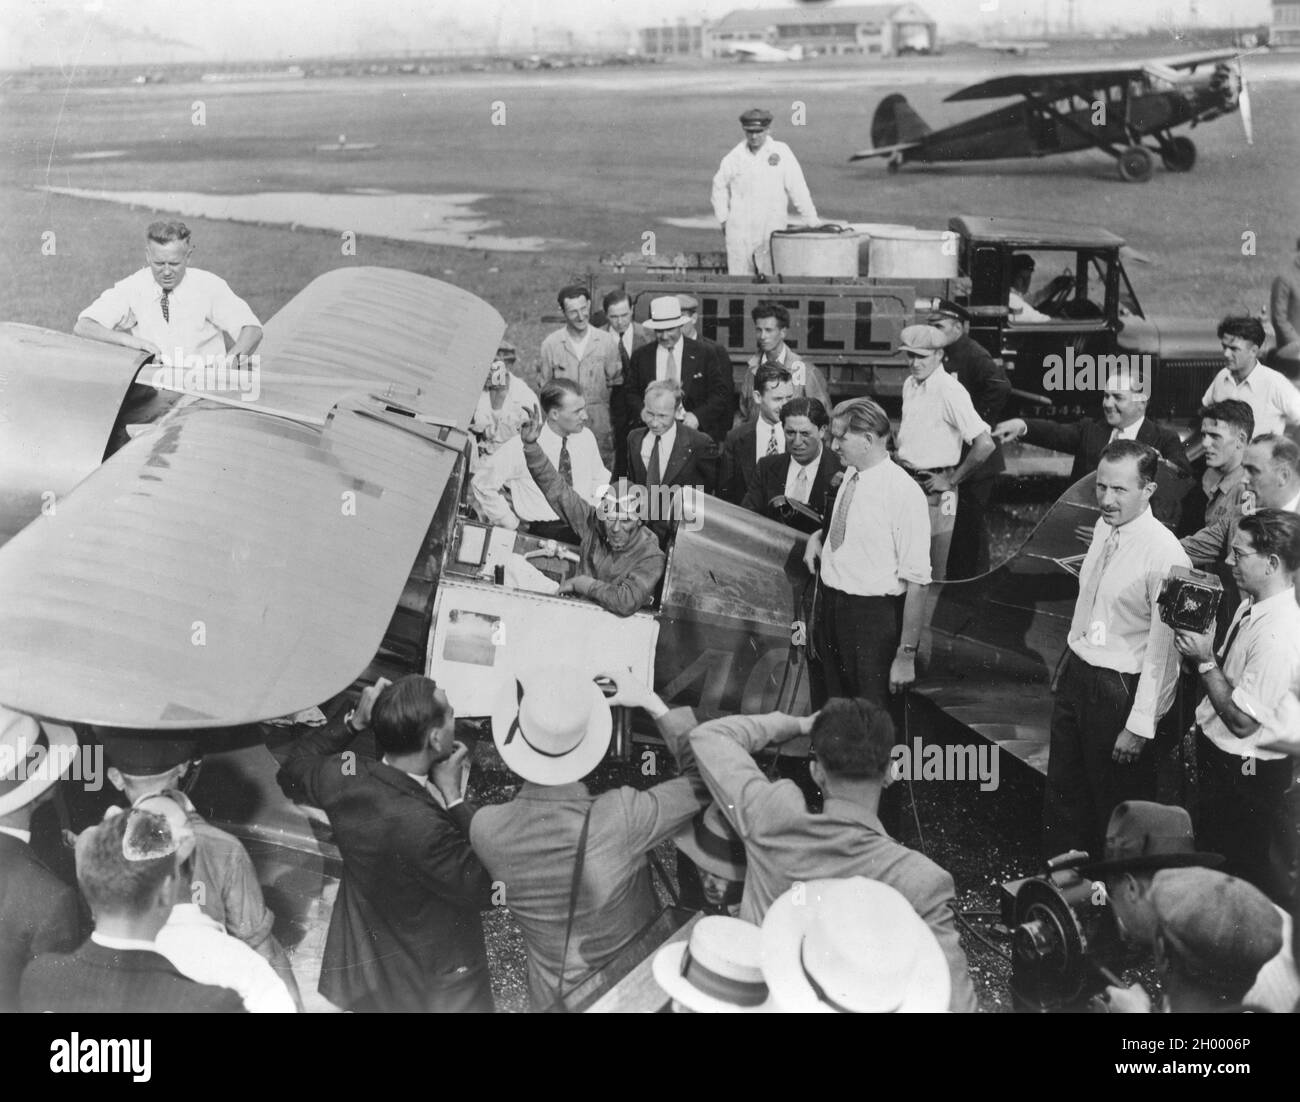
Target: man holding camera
x=1242 y=788
x=1121 y=668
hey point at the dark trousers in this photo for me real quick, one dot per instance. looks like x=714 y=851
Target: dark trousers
x=1242 y=813
x=1083 y=784
x=968 y=556
x=857 y=638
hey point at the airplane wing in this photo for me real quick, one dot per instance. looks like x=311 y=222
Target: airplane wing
x=1193 y=61
x=1045 y=84
x=232 y=565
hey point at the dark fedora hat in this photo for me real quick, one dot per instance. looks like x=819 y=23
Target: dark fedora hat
x=1143 y=835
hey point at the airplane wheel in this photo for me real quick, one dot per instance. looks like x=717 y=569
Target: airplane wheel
x=1179 y=155
x=1135 y=165
x=892 y=166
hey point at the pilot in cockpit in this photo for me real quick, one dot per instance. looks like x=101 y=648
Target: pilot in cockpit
x=620 y=563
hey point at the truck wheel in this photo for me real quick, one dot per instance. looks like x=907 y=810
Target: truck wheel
x=1179 y=155
x=1135 y=165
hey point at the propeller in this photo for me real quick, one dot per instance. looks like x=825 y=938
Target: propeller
x=1243 y=102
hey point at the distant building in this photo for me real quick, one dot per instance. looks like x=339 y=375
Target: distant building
x=885 y=30
x=1285 y=29
x=675 y=40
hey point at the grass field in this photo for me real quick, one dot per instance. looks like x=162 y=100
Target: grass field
x=595 y=157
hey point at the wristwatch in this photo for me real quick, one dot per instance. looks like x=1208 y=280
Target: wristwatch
x=1206 y=666
x=908 y=648
x=347 y=723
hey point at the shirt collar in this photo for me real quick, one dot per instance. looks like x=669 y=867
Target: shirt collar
x=190 y=914
x=547 y=430
x=1216 y=482
x=811 y=465
x=1293 y=506
x=21 y=835
x=1131 y=431
x=850 y=809
x=1143 y=520
x=666 y=440
x=122 y=942
x=1275 y=603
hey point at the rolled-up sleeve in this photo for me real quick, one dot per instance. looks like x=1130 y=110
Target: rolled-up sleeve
x=112 y=309
x=227 y=310
x=911 y=520
x=962 y=415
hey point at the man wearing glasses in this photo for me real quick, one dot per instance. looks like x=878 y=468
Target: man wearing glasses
x=1241 y=808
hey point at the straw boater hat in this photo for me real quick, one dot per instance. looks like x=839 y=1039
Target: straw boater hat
x=1142 y=836
x=551 y=725
x=32 y=758
x=718 y=971
x=709 y=841
x=665 y=313
x=851 y=946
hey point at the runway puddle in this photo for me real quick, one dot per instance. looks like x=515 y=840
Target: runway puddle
x=427 y=219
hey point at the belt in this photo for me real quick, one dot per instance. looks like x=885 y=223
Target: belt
x=918 y=473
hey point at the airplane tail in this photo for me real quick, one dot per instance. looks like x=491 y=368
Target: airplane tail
x=895 y=123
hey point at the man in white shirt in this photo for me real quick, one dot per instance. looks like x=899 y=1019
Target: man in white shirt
x=1121 y=669
x=938 y=418
x=590 y=357
x=1241 y=809
x=171 y=309
x=572 y=450
x=874 y=558
x=199 y=947
x=1270 y=394
x=1022 y=274
x=771 y=321
x=752 y=190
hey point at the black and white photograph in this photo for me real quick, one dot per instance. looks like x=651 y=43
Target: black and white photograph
x=679 y=507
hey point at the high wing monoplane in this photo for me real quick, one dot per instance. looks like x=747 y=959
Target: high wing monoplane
x=1127 y=111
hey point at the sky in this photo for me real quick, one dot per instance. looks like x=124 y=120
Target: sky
x=63 y=32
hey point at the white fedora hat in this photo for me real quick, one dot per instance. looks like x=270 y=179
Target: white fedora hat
x=718 y=971
x=32 y=758
x=852 y=946
x=665 y=313
x=551 y=725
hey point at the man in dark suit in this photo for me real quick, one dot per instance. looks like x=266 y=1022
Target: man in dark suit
x=757 y=439
x=989 y=388
x=719 y=351
x=126 y=867
x=38 y=911
x=802 y=473
x=405 y=933
x=706 y=389
x=617 y=308
x=1123 y=418
x=668 y=453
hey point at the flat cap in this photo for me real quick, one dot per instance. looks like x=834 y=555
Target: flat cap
x=756 y=119
x=946 y=308
x=145 y=755
x=688 y=303
x=1221 y=930
x=921 y=339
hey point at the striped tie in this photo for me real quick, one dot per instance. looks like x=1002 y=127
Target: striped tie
x=841 y=519
x=772 y=447
x=166 y=314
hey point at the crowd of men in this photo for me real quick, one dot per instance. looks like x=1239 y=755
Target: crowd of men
x=803 y=910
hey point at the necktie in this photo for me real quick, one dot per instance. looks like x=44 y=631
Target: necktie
x=653 y=474
x=624 y=357
x=772 y=447
x=841 y=519
x=1232 y=635
x=671 y=365
x=166 y=313
x=801 y=485
x=566 y=464
x=1088 y=598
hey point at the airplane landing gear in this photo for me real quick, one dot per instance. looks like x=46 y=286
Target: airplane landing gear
x=1178 y=154
x=894 y=163
x=1135 y=164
